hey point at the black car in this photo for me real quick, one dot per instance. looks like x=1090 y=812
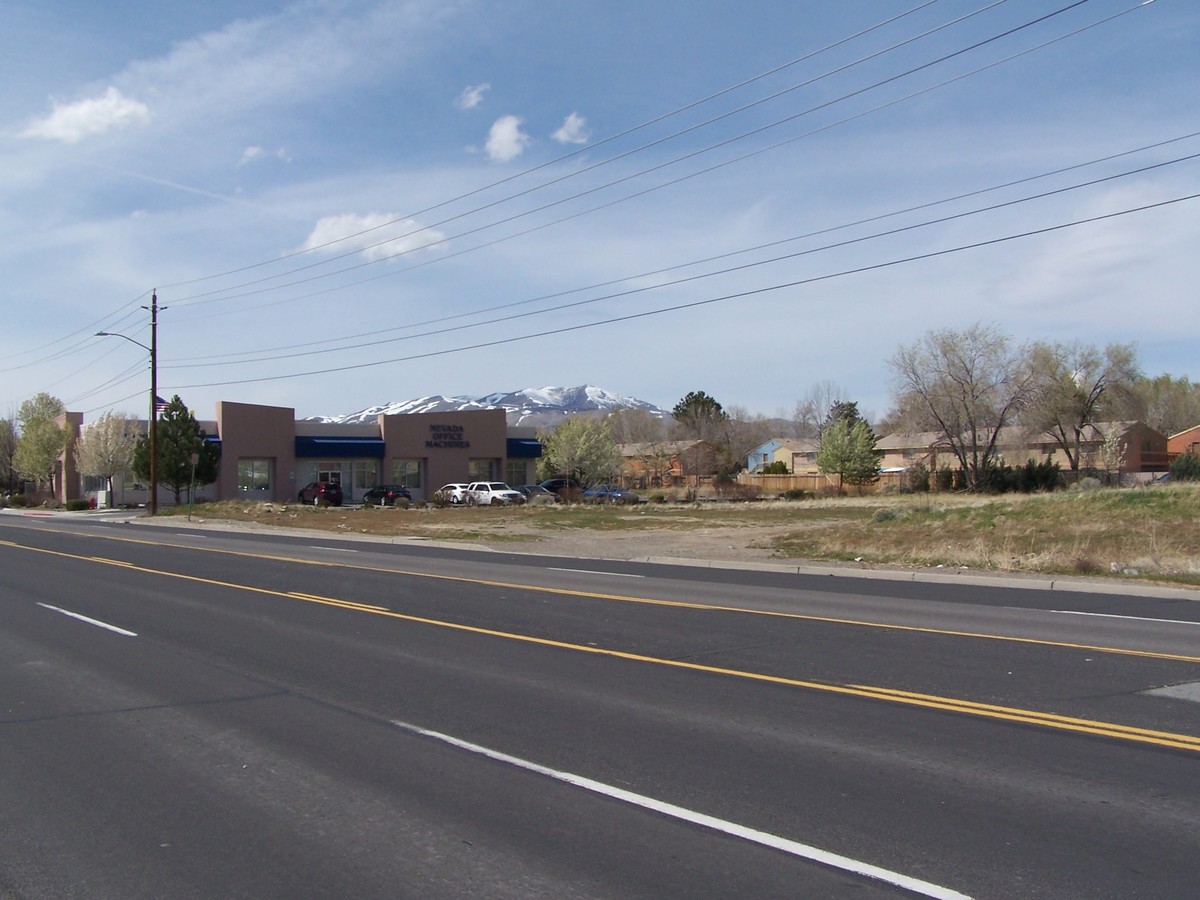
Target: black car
x=321 y=493
x=387 y=495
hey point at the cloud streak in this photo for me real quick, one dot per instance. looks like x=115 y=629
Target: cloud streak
x=72 y=122
x=368 y=234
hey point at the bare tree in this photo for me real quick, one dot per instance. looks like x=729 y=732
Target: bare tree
x=810 y=412
x=636 y=426
x=738 y=434
x=1077 y=385
x=1170 y=405
x=965 y=386
x=105 y=448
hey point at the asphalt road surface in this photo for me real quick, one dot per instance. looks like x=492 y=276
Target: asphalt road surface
x=201 y=714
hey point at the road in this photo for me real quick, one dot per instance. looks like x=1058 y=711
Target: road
x=207 y=714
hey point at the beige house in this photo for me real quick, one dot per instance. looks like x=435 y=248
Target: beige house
x=1144 y=449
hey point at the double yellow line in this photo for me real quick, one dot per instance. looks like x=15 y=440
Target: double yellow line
x=908 y=698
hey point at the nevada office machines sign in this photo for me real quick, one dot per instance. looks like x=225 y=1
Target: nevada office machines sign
x=447 y=436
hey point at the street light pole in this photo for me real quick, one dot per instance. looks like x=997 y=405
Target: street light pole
x=152 y=505
x=152 y=419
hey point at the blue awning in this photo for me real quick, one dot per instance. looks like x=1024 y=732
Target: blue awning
x=524 y=448
x=308 y=447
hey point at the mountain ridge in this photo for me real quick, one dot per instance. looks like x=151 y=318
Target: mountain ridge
x=529 y=407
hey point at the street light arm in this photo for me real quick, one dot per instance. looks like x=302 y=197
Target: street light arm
x=125 y=336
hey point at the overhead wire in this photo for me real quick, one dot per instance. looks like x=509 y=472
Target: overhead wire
x=726 y=271
x=711 y=300
x=687 y=176
x=586 y=149
x=213 y=296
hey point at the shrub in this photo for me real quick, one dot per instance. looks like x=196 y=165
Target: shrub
x=779 y=467
x=77 y=505
x=794 y=494
x=945 y=479
x=918 y=478
x=18 y=501
x=1186 y=467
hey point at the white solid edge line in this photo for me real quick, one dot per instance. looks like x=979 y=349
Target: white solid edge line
x=1075 y=612
x=804 y=851
x=96 y=622
x=593 y=572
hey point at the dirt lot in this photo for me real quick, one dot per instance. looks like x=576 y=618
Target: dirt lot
x=1127 y=534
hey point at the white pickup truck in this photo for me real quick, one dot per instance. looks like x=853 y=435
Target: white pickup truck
x=492 y=493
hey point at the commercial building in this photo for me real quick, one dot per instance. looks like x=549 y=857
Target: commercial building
x=267 y=454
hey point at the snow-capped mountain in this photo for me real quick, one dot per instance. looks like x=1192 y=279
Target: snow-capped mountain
x=537 y=407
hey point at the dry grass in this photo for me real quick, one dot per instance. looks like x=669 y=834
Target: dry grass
x=1136 y=532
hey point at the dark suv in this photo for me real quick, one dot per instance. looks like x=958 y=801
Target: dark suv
x=321 y=493
x=387 y=495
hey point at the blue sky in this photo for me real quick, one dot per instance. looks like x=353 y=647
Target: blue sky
x=348 y=203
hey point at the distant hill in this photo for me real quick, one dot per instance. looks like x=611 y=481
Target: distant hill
x=543 y=407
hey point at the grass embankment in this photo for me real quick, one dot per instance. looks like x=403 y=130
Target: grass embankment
x=1135 y=532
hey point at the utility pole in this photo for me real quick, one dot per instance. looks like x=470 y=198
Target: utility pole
x=152 y=419
x=152 y=504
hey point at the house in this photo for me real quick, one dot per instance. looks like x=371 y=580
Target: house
x=1143 y=448
x=668 y=463
x=798 y=454
x=1184 y=442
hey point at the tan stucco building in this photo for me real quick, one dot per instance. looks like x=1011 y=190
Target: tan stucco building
x=267 y=454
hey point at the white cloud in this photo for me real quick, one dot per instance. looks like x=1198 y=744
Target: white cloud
x=573 y=130
x=369 y=235
x=471 y=97
x=506 y=141
x=253 y=154
x=72 y=122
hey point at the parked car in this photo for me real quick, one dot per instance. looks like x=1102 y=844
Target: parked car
x=493 y=493
x=566 y=488
x=455 y=492
x=538 y=495
x=387 y=495
x=321 y=493
x=609 y=493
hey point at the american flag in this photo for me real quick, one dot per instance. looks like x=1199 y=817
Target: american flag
x=160 y=404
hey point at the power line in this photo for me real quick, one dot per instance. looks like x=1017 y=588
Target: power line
x=711 y=300
x=787 y=257
x=704 y=171
x=589 y=148
x=214 y=296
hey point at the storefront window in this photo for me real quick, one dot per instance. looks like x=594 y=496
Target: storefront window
x=407 y=472
x=516 y=472
x=254 y=475
x=365 y=476
x=482 y=469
